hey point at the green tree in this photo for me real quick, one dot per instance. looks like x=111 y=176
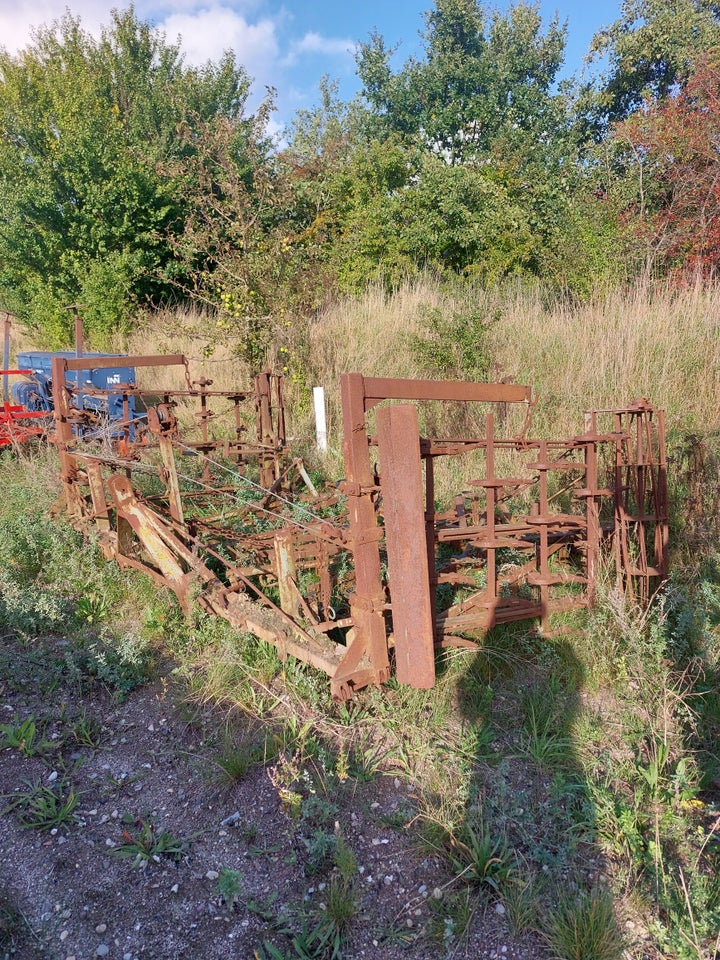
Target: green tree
x=481 y=80
x=653 y=46
x=404 y=211
x=489 y=145
x=250 y=248
x=84 y=126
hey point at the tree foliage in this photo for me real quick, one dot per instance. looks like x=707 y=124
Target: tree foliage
x=676 y=140
x=481 y=80
x=129 y=179
x=652 y=48
x=84 y=124
x=248 y=246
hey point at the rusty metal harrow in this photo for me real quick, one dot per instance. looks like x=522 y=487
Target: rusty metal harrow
x=369 y=573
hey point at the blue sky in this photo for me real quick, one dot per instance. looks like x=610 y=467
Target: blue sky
x=288 y=44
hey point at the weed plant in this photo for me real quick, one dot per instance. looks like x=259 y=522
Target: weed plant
x=45 y=807
x=143 y=843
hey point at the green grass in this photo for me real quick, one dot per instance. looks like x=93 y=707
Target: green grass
x=584 y=927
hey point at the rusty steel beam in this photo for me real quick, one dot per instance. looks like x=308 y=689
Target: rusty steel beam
x=377 y=389
x=368 y=599
x=405 y=536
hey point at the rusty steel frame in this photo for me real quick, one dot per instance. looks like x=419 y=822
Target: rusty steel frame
x=408 y=580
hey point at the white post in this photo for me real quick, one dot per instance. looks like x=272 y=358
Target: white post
x=320 y=421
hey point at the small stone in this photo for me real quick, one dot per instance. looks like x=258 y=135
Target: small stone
x=103 y=950
x=101 y=928
x=437 y=893
x=63 y=936
x=212 y=875
x=174 y=888
x=53 y=777
x=388 y=879
x=500 y=908
x=409 y=922
x=503 y=949
x=127 y=956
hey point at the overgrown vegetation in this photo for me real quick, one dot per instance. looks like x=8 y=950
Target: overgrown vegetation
x=131 y=181
x=566 y=782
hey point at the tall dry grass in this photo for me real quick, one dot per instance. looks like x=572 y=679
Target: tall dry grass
x=648 y=341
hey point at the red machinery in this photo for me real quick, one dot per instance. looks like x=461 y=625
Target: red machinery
x=17 y=423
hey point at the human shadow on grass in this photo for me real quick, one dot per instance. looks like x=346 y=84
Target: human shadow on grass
x=525 y=845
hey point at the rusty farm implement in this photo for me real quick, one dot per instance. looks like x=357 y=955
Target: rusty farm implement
x=368 y=576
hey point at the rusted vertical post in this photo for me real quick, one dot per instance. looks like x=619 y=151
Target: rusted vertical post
x=171 y=479
x=490 y=496
x=662 y=531
x=405 y=537
x=204 y=416
x=79 y=333
x=619 y=491
x=265 y=429
x=366 y=604
x=63 y=436
x=592 y=507
x=542 y=520
x=430 y=533
x=286 y=567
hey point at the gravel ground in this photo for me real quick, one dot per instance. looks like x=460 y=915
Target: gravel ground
x=150 y=777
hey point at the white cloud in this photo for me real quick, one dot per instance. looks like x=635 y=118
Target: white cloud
x=18 y=18
x=208 y=32
x=259 y=32
x=329 y=46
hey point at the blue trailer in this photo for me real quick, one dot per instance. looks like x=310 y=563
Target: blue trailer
x=35 y=392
